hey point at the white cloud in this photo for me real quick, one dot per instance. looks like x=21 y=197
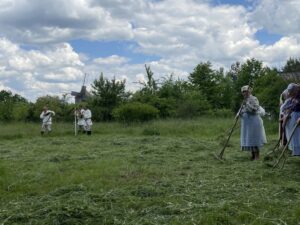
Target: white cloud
x=111 y=60
x=35 y=72
x=59 y=20
x=277 y=16
x=277 y=54
x=181 y=33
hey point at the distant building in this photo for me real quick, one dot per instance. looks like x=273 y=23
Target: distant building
x=291 y=76
x=83 y=95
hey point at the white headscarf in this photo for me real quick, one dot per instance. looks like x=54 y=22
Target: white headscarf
x=246 y=88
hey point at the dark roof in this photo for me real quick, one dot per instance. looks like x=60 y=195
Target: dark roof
x=291 y=76
x=82 y=95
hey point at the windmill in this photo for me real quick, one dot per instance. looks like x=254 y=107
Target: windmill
x=83 y=94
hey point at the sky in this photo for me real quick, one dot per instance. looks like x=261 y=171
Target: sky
x=46 y=47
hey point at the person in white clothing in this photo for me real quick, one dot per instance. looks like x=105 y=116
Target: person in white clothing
x=46 y=117
x=87 y=116
x=80 y=120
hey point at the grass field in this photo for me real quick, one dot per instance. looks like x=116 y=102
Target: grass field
x=162 y=172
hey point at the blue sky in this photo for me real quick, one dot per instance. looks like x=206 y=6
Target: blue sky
x=233 y=2
x=267 y=38
x=128 y=49
x=49 y=53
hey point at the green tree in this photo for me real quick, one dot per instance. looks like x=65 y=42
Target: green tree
x=292 y=65
x=268 y=89
x=20 y=111
x=108 y=94
x=150 y=86
x=207 y=80
x=248 y=72
x=8 y=105
x=52 y=102
x=245 y=74
x=225 y=94
x=192 y=104
x=170 y=94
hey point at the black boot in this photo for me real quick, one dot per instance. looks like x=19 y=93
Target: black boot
x=42 y=132
x=256 y=155
x=89 y=132
x=252 y=155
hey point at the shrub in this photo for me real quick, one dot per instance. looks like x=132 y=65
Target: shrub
x=20 y=111
x=222 y=113
x=192 y=105
x=135 y=112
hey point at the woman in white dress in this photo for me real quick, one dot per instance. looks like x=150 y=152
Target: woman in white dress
x=253 y=135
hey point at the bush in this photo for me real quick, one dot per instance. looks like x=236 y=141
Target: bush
x=193 y=104
x=135 y=112
x=225 y=113
x=20 y=111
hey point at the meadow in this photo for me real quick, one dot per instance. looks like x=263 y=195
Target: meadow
x=161 y=172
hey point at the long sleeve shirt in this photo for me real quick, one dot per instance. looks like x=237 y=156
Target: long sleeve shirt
x=251 y=105
x=47 y=116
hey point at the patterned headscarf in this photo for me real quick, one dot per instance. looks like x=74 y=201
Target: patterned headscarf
x=246 y=88
x=291 y=87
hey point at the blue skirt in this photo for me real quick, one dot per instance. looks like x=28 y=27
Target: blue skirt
x=253 y=135
x=295 y=141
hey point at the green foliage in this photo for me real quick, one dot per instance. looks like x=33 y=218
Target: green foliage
x=223 y=112
x=248 y=72
x=12 y=107
x=207 y=81
x=6 y=109
x=245 y=74
x=108 y=94
x=206 y=91
x=135 y=112
x=7 y=96
x=192 y=104
x=171 y=88
x=67 y=112
x=150 y=86
x=292 y=65
x=164 y=105
x=170 y=96
x=52 y=102
x=268 y=89
x=224 y=96
x=20 y=111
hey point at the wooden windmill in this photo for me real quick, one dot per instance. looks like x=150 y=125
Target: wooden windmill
x=83 y=95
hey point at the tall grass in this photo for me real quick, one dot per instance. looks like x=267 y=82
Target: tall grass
x=204 y=126
x=162 y=172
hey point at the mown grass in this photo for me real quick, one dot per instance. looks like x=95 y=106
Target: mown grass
x=162 y=172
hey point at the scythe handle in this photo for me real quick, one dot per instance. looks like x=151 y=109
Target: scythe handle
x=231 y=131
x=286 y=146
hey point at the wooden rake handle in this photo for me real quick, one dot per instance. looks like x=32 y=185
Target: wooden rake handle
x=231 y=131
x=286 y=146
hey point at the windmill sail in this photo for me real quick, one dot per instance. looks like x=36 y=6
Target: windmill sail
x=82 y=95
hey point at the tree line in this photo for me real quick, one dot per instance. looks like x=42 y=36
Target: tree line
x=207 y=91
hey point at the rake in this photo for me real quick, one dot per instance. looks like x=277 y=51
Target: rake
x=75 y=122
x=282 y=155
x=220 y=155
x=277 y=146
